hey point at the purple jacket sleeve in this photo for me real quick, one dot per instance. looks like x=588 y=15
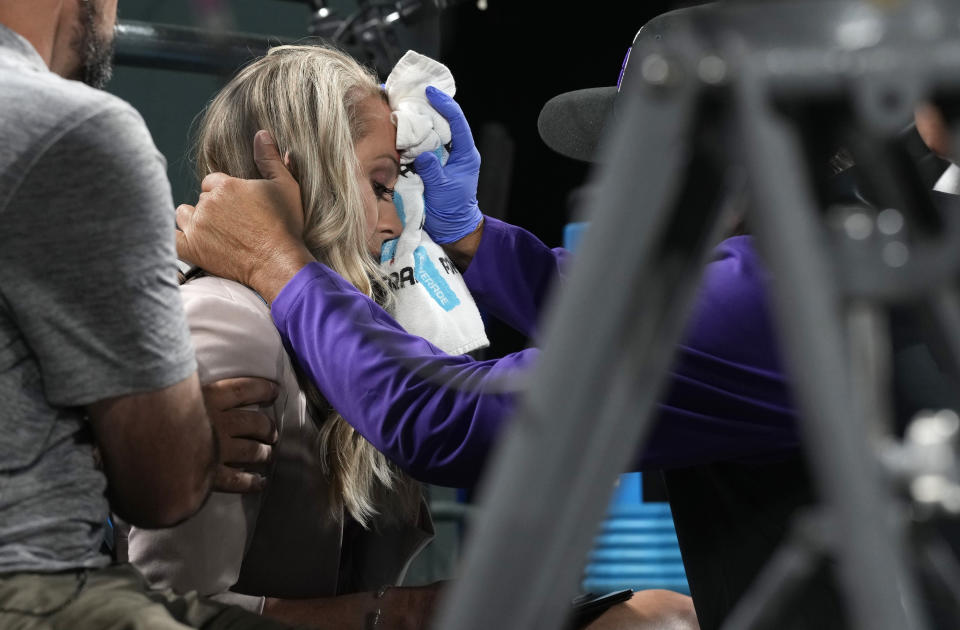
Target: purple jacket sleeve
x=726 y=396
x=434 y=415
x=511 y=274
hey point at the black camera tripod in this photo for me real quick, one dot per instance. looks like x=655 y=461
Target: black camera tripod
x=731 y=109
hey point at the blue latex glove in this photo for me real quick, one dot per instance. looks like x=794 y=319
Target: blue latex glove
x=450 y=191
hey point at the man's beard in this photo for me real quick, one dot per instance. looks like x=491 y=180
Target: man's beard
x=95 y=50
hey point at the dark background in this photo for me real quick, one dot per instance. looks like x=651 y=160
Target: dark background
x=509 y=61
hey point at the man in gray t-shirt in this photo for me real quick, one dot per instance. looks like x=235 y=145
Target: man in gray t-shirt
x=94 y=348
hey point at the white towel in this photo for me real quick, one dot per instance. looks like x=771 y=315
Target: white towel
x=432 y=300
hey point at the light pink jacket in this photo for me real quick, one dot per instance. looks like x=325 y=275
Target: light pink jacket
x=282 y=542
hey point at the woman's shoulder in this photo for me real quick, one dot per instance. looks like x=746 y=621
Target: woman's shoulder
x=231 y=295
x=232 y=330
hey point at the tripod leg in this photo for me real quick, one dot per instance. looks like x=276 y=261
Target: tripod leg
x=943 y=568
x=870 y=368
x=808 y=306
x=608 y=343
x=775 y=590
x=944 y=309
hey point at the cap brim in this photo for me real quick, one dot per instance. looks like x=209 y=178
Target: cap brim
x=572 y=123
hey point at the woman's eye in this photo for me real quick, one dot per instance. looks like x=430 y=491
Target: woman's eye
x=382 y=192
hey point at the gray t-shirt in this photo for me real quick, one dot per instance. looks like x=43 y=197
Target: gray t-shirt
x=89 y=304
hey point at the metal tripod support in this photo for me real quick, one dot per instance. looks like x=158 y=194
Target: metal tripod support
x=721 y=110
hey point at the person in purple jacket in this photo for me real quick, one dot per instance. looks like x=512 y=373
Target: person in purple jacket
x=726 y=432
x=434 y=416
x=734 y=472
x=726 y=435
x=437 y=416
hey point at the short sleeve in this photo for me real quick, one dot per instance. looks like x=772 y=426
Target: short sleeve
x=88 y=266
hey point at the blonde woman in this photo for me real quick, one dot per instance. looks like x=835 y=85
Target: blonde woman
x=335 y=516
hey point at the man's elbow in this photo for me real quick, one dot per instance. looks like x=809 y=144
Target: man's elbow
x=159 y=453
x=163 y=501
x=184 y=499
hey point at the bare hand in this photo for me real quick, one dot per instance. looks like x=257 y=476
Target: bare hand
x=410 y=607
x=247 y=230
x=245 y=435
x=399 y=608
x=426 y=599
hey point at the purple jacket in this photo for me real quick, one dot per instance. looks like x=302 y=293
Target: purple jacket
x=437 y=415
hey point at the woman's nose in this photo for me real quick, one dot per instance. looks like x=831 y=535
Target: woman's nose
x=388 y=223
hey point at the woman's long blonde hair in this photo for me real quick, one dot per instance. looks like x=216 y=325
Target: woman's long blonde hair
x=308 y=98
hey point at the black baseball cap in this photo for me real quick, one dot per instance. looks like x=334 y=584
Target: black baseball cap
x=572 y=123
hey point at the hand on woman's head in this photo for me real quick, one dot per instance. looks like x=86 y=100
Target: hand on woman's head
x=247 y=230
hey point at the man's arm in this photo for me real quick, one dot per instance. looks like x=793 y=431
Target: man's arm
x=510 y=272
x=402 y=608
x=247 y=230
x=433 y=414
x=137 y=434
x=727 y=396
x=462 y=251
x=437 y=415
x=87 y=271
x=141 y=474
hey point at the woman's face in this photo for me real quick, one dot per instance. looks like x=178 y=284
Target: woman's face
x=379 y=171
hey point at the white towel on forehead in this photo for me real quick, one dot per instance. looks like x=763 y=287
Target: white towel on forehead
x=419 y=126
x=432 y=300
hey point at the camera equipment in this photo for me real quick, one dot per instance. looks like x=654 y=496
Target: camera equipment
x=369 y=33
x=185 y=48
x=730 y=110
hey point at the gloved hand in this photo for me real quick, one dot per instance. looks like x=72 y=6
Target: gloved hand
x=450 y=191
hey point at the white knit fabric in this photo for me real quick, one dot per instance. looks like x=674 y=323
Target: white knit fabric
x=432 y=300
